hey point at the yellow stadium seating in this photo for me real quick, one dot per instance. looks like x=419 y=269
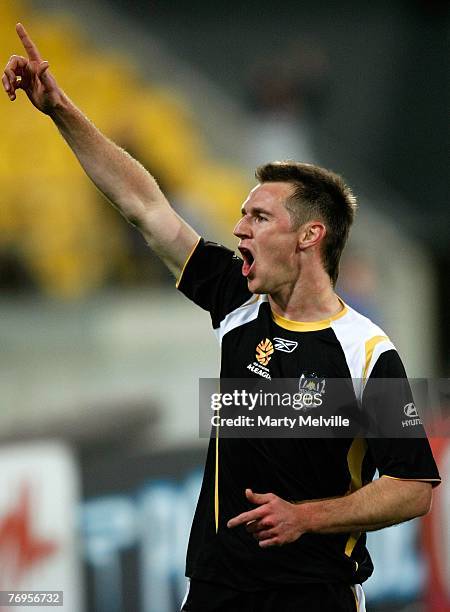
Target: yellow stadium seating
x=49 y=212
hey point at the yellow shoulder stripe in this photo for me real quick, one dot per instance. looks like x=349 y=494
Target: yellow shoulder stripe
x=187 y=261
x=370 y=347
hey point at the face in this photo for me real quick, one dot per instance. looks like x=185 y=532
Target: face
x=268 y=243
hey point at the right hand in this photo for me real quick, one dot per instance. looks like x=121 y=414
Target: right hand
x=32 y=75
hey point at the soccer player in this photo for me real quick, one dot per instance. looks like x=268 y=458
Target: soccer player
x=280 y=522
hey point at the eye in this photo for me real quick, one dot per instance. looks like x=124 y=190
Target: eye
x=260 y=218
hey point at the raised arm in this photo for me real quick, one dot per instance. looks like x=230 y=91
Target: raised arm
x=123 y=180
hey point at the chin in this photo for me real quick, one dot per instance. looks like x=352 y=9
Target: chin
x=255 y=287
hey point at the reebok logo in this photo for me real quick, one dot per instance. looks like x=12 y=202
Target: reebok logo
x=287 y=346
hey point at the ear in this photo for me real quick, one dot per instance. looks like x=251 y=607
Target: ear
x=311 y=234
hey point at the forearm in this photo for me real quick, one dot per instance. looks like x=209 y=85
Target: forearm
x=129 y=187
x=122 y=179
x=380 y=504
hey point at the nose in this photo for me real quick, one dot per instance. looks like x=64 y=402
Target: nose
x=242 y=228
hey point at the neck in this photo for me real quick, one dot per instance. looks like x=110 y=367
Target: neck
x=310 y=299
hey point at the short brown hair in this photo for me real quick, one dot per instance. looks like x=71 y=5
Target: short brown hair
x=317 y=193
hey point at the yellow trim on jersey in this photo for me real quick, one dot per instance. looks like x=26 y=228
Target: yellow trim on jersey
x=355 y=457
x=187 y=261
x=370 y=347
x=351 y=542
x=303 y=326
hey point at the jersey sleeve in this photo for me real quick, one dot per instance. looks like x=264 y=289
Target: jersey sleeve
x=212 y=279
x=400 y=448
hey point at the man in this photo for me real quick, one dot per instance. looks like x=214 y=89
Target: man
x=280 y=522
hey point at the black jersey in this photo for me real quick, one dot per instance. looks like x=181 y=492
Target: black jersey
x=255 y=342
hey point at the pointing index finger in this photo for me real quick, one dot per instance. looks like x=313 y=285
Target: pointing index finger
x=246 y=517
x=30 y=47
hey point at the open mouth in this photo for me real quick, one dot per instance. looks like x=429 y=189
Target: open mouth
x=249 y=261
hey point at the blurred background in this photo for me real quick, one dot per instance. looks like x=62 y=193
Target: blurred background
x=100 y=458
